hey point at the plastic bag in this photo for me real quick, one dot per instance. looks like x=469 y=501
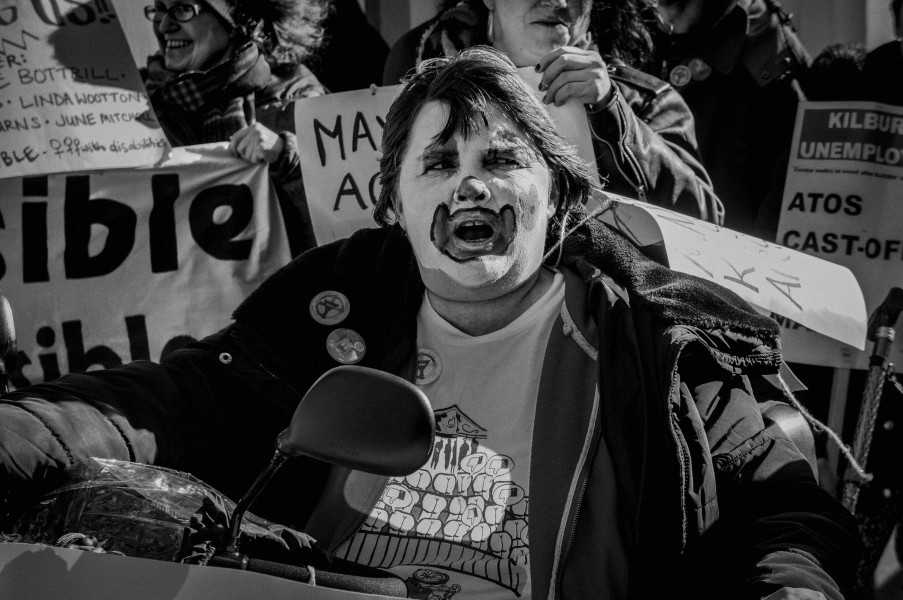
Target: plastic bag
x=137 y=509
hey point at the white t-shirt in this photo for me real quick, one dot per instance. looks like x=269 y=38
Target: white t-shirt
x=459 y=526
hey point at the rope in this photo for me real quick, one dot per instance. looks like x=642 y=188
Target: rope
x=819 y=426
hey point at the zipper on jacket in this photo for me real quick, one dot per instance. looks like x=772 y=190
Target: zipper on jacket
x=637 y=181
x=566 y=551
x=684 y=453
x=631 y=158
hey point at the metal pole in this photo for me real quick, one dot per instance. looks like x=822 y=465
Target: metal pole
x=881 y=331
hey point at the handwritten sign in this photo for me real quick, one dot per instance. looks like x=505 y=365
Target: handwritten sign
x=843 y=202
x=340 y=135
x=70 y=96
x=104 y=267
x=789 y=284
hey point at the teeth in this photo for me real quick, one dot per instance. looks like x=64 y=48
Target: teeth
x=176 y=43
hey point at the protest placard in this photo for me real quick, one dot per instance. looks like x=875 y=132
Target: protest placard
x=104 y=267
x=70 y=96
x=783 y=283
x=339 y=137
x=843 y=202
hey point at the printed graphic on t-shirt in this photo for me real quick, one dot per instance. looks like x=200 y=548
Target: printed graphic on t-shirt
x=459 y=513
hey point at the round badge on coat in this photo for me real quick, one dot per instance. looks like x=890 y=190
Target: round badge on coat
x=346 y=346
x=428 y=367
x=329 y=307
x=680 y=76
x=699 y=69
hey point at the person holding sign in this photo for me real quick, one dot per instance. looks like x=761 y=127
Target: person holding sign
x=229 y=70
x=596 y=433
x=643 y=134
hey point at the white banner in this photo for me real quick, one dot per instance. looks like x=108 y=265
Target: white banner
x=105 y=267
x=339 y=138
x=843 y=202
x=70 y=96
x=778 y=281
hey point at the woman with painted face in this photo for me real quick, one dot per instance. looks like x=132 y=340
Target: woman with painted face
x=643 y=132
x=596 y=433
x=229 y=70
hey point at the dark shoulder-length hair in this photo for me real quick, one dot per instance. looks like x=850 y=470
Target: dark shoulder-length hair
x=467 y=85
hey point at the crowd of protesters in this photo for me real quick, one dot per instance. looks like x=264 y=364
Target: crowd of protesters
x=691 y=105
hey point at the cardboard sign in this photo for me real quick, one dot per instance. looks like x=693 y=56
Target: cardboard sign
x=783 y=282
x=843 y=202
x=71 y=98
x=339 y=139
x=105 y=267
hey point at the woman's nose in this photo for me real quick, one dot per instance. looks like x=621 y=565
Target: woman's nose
x=167 y=23
x=471 y=189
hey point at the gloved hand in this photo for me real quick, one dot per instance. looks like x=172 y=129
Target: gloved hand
x=210 y=526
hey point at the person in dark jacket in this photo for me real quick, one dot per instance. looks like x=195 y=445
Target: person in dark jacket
x=884 y=64
x=735 y=62
x=596 y=431
x=230 y=70
x=643 y=134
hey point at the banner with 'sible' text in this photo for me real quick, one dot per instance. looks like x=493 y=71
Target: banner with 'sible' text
x=843 y=202
x=105 y=267
x=71 y=97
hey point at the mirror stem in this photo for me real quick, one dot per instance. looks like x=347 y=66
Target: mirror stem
x=238 y=514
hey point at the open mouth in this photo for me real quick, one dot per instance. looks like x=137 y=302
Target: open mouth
x=470 y=233
x=177 y=44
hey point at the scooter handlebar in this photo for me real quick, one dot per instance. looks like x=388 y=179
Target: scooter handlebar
x=385 y=586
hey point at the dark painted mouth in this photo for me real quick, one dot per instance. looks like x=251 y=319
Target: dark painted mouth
x=471 y=233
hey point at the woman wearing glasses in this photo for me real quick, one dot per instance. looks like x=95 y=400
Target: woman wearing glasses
x=229 y=70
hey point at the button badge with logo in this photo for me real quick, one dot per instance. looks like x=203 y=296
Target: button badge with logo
x=699 y=69
x=346 y=346
x=428 y=367
x=329 y=307
x=680 y=76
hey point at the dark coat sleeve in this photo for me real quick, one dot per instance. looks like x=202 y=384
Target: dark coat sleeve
x=207 y=409
x=776 y=527
x=114 y=413
x=645 y=144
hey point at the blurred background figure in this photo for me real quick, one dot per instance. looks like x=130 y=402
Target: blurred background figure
x=353 y=51
x=883 y=68
x=229 y=70
x=835 y=74
x=735 y=62
x=642 y=130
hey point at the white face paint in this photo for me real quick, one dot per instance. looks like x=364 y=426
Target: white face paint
x=475 y=209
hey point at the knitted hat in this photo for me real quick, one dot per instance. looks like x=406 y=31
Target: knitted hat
x=223 y=8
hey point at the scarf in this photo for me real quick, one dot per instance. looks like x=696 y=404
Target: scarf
x=197 y=107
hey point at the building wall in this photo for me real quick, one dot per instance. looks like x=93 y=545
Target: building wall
x=824 y=22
